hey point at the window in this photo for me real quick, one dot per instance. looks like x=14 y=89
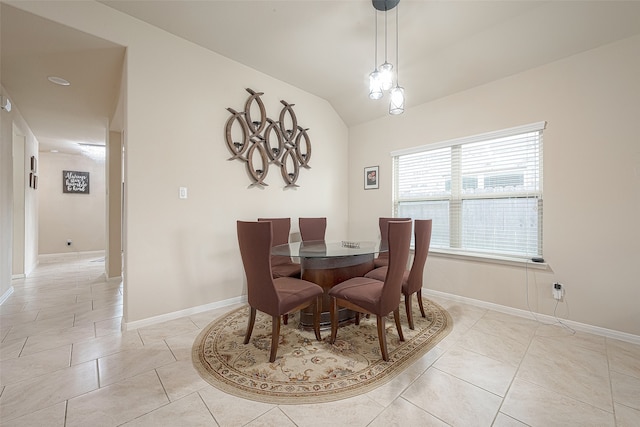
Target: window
x=484 y=193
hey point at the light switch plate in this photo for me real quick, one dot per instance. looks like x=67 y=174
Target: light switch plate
x=183 y=192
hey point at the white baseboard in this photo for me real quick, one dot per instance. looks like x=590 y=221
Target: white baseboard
x=62 y=256
x=583 y=327
x=128 y=326
x=6 y=295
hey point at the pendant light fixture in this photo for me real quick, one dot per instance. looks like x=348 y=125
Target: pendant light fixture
x=397 y=93
x=375 y=85
x=382 y=77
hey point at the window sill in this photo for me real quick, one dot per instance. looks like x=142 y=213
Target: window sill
x=490 y=259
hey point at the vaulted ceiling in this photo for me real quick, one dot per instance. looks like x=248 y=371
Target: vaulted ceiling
x=321 y=46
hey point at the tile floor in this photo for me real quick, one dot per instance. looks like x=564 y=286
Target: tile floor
x=64 y=362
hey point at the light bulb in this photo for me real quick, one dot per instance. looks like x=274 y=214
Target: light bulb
x=396 y=106
x=375 y=85
x=386 y=75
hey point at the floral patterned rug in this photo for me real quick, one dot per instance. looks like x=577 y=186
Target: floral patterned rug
x=306 y=370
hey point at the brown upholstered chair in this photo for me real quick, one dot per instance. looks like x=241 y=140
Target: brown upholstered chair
x=282 y=266
x=412 y=279
x=383 y=257
x=312 y=228
x=370 y=296
x=275 y=297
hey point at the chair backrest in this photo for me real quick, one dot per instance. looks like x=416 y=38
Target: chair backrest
x=281 y=229
x=399 y=237
x=383 y=223
x=312 y=228
x=422 y=233
x=255 y=241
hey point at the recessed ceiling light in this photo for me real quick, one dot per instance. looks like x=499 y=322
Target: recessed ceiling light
x=58 y=80
x=54 y=151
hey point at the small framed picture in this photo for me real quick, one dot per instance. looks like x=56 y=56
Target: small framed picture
x=31 y=179
x=35 y=182
x=371 y=178
x=34 y=164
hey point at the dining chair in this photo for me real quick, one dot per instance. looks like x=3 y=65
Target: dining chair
x=275 y=297
x=282 y=266
x=312 y=228
x=371 y=296
x=412 y=278
x=383 y=257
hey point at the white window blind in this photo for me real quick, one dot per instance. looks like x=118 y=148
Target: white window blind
x=484 y=193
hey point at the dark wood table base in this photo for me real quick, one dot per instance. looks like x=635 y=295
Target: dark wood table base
x=328 y=272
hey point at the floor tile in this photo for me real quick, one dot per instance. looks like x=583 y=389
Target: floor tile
x=40 y=326
x=34 y=365
x=274 y=417
x=498 y=347
x=131 y=362
x=229 y=410
x=538 y=406
x=487 y=373
x=626 y=417
x=53 y=416
x=626 y=390
x=401 y=413
x=188 y=411
x=503 y=420
x=180 y=378
x=117 y=403
x=160 y=331
x=624 y=357
x=11 y=349
x=354 y=411
x=583 y=375
x=103 y=346
x=182 y=345
x=32 y=395
x=56 y=338
x=453 y=400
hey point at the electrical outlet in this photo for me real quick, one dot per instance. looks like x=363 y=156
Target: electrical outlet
x=557 y=290
x=69 y=242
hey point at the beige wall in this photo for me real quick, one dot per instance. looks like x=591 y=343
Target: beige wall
x=19 y=228
x=77 y=217
x=591 y=102
x=181 y=254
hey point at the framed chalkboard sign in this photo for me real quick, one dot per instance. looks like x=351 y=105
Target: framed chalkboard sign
x=75 y=182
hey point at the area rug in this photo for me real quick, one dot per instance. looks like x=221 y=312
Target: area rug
x=306 y=370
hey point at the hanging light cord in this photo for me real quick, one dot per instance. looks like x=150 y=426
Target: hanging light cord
x=397 y=44
x=375 y=53
x=385 y=34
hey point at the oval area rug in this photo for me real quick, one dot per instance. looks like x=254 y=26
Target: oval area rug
x=306 y=370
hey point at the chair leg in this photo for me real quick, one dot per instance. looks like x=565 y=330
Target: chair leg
x=382 y=337
x=357 y=318
x=285 y=319
x=316 y=317
x=396 y=317
x=252 y=320
x=419 y=294
x=407 y=306
x=333 y=310
x=275 y=337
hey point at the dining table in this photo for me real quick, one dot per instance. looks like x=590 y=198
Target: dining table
x=328 y=263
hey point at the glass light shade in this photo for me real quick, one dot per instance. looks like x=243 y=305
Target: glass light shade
x=386 y=75
x=396 y=106
x=375 y=85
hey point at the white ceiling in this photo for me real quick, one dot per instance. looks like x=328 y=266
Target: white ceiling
x=321 y=46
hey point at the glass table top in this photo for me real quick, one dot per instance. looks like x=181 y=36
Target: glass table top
x=330 y=249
